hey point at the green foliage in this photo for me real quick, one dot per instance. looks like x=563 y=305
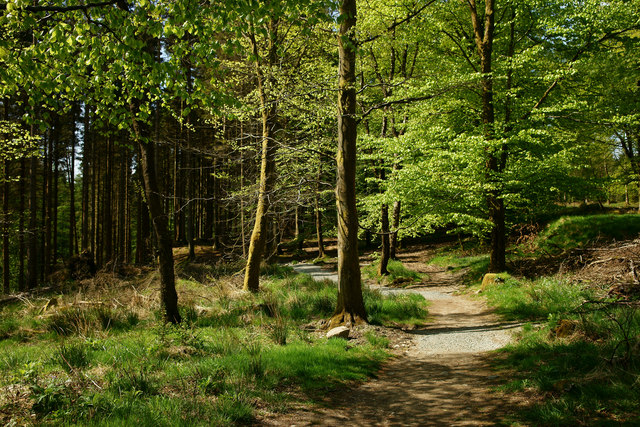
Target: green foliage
x=15 y=143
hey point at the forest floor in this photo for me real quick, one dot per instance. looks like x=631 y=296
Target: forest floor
x=441 y=374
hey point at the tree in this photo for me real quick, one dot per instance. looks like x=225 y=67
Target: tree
x=350 y=307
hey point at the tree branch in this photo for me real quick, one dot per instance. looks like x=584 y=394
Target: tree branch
x=404 y=101
x=120 y=3
x=396 y=24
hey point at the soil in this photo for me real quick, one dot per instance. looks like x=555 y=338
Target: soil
x=441 y=374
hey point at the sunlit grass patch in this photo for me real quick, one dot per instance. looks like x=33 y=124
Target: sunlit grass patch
x=399 y=275
x=535 y=299
x=107 y=363
x=571 y=232
x=582 y=357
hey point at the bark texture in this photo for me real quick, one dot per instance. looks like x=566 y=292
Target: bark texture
x=160 y=223
x=350 y=307
x=267 y=167
x=483 y=35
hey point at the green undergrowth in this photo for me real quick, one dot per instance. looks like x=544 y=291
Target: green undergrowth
x=570 y=232
x=235 y=355
x=399 y=275
x=581 y=355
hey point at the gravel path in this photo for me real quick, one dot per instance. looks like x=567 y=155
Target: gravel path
x=459 y=324
x=442 y=379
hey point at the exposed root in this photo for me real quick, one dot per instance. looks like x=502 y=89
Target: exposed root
x=345 y=318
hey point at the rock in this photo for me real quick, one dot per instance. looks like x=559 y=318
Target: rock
x=490 y=279
x=339 y=332
x=566 y=328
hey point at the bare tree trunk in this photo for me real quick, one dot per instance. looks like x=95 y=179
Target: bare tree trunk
x=350 y=306
x=107 y=229
x=72 y=187
x=6 y=277
x=483 y=34
x=160 y=222
x=626 y=195
x=32 y=241
x=6 y=264
x=46 y=205
x=318 y=212
x=86 y=180
x=54 y=199
x=21 y=248
x=267 y=167
x=385 y=252
x=393 y=238
x=242 y=215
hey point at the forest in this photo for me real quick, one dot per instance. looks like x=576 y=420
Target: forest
x=197 y=194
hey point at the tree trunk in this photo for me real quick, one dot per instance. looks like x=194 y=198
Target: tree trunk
x=121 y=229
x=626 y=195
x=6 y=277
x=32 y=241
x=47 y=202
x=54 y=199
x=86 y=181
x=318 y=212
x=72 y=188
x=242 y=216
x=267 y=167
x=385 y=251
x=21 y=248
x=107 y=228
x=160 y=222
x=393 y=238
x=350 y=306
x=483 y=34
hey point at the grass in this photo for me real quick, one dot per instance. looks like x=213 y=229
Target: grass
x=570 y=232
x=399 y=275
x=236 y=354
x=535 y=299
x=581 y=358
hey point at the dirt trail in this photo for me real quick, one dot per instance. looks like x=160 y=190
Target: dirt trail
x=443 y=378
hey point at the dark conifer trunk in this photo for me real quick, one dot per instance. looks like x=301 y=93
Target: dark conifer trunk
x=32 y=241
x=107 y=215
x=72 y=187
x=21 y=248
x=6 y=265
x=86 y=180
x=385 y=248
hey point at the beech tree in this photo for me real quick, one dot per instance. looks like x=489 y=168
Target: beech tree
x=350 y=308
